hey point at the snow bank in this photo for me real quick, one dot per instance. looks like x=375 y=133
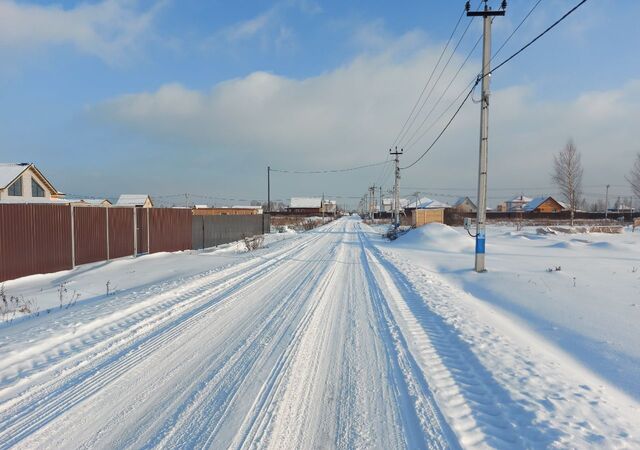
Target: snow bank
x=589 y=308
x=437 y=237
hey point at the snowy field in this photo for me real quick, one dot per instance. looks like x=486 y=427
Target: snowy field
x=334 y=338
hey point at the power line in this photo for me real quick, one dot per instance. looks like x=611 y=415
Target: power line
x=480 y=77
x=395 y=141
x=553 y=25
x=445 y=127
x=349 y=169
x=433 y=86
x=412 y=141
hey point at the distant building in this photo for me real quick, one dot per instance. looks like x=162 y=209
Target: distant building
x=135 y=200
x=24 y=183
x=305 y=205
x=329 y=206
x=516 y=204
x=544 y=205
x=465 y=205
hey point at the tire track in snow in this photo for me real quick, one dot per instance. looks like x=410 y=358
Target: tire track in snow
x=423 y=422
x=35 y=410
x=89 y=341
x=201 y=419
x=479 y=411
x=257 y=429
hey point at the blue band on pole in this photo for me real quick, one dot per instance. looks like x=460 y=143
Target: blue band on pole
x=480 y=244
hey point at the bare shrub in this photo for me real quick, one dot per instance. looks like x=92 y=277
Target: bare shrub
x=253 y=242
x=12 y=305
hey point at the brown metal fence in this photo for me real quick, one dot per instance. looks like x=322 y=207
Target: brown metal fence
x=121 y=232
x=169 y=229
x=48 y=238
x=90 y=229
x=142 y=221
x=34 y=239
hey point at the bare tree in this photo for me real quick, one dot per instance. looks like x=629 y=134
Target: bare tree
x=634 y=177
x=567 y=174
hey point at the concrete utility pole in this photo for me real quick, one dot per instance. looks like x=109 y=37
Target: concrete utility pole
x=381 y=204
x=487 y=14
x=606 y=203
x=268 y=189
x=372 y=201
x=396 y=187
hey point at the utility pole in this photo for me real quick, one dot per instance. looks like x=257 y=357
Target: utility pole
x=606 y=203
x=322 y=208
x=381 y=204
x=372 y=201
x=268 y=189
x=396 y=187
x=487 y=14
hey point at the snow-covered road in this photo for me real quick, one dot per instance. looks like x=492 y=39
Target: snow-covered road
x=323 y=341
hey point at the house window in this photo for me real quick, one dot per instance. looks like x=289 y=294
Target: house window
x=15 y=190
x=36 y=189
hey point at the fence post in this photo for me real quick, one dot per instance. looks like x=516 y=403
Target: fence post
x=148 y=233
x=73 y=239
x=106 y=211
x=135 y=232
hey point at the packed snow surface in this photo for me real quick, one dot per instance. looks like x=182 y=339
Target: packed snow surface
x=331 y=338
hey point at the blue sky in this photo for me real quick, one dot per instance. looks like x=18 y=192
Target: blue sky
x=169 y=97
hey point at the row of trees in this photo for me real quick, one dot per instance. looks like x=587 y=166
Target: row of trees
x=567 y=175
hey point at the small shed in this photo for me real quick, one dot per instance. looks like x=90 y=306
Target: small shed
x=420 y=217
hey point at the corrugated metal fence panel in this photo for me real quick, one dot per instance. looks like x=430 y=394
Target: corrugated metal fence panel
x=51 y=249
x=197 y=232
x=170 y=230
x=34 y=239
x=90 y=226
x=120 y=232
x=220 y=230
x=141 y=225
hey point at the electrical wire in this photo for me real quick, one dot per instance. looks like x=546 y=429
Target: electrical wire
x=412 y=141
x=349 y=169
x=424 y=102
x=553 y=25
x=395 y=141
x=480 y=77
x=435 y=141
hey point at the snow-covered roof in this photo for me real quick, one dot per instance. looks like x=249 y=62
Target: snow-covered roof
x=95 y=201
x=305 y=202
x=423 y=203
x=246 y=207
x=520 y=199
x=132 y=199
x=460 y=200
x=534 y=203
x=10 y=171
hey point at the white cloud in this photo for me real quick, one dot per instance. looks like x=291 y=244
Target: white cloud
x=350 y=115
x=109 y=29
